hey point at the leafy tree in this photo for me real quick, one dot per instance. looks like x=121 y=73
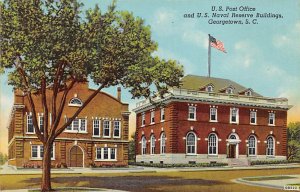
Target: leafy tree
x=3 y=158
x=131 y=148
x=53 y=44
x=294 y=140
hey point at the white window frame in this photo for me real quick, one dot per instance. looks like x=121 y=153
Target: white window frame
x=231 y=115
x=216 y=114
x=255 y=117
x=75 y=104
x=99 y=127
x=248 y=93
x=152 y=117
x=212 y=143
x=194 y=147
x=143 y=120
x=101 y=150
x=162 y=115
x=143 y=145
x=152 y=144
x=229 y=90
x=268 y=149
x=163 y=143
x=40 y=152
x=271 y=116
x=119 y=127
x=192 y=110
x=41 y=122
x=28 y=120
x=252 y=145
x=72 y=130
x=104 y=128
x=209 y=88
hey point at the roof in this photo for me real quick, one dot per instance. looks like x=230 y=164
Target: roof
x=194 y=82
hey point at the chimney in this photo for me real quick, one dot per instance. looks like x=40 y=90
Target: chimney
x=119 y=94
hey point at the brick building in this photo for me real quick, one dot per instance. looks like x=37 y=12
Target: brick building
x=211 y=120
x=98 y=135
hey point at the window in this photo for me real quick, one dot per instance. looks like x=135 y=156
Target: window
x=253 y=117
x=234 y=115
x=106 y=153
x=191 y=143
x=209 y=88
x=30 y=128
x=37 y=152
x=252 y=146
x=232 y=136
x=162 y=114
x=144 y=142
x=163 y=143
x=96 y=127
x=213 y=114
x=152 y=117
x=212 y=144
x=75 y=102
x=41 y=123
x=106 y=128
x=152 y=144
x=77 y=126
x=143 y=119
x=117 y=129
x=192 y=113
x=271 y=118
x=270 y=146
x=229 y=90
x=248 y=93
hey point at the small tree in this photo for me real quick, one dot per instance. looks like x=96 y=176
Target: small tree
x=131 y=148
x=294 y=140
x=3 y=158
x=50 y=44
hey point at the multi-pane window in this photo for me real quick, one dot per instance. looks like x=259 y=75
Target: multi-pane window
x=209 y=88
x=143 y=119
x=212 y=144
x=191 y=143
x=106 y=153
x=192 y=113
x=30 y=128
x=152 y=145
x=234 y=115
x=117 y=128
x=270 y=146
x=248 y=93
x=106 y=128
x=37 y=152
x=252 y=117
x=213 y=114
x=152 y=120
x=96 y=127
x=252 y=145
x=41 y=123
x=229 y=90
x=144 y=142
x=163 y=143
x=77 y=125
x=271 y=118
x=75 y=102
x=162 y=114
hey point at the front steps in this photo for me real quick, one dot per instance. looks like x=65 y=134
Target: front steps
x=238 y=162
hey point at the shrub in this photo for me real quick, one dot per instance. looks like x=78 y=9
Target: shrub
x=265 y=162
x=160 y=165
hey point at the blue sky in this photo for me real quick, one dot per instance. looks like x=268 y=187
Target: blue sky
x=264 y=57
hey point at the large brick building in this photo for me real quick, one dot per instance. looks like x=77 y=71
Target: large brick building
x=211 y=120
x=98 y=135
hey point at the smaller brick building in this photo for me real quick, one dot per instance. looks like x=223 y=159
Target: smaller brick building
x=98 y=135
x=211 y=120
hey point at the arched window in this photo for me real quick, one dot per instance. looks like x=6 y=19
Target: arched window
x=209 y=88
x=252 y=145
x=232 y=137
x=152 y=144
x=75 y=102
x=191 y=143
x=229 y=90
x=144 y=142
x=248 y=93
x=270 y=146
x=163 y=143
x=212 y=144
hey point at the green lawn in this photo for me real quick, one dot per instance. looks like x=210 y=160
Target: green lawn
x=208 y=181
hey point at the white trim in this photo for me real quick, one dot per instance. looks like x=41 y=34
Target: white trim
x=270 y=113
x=143 y=145
x=109 y=129
x=162 y=114
x=270 y=136
x=255 y=117
x=99 y=123
x=152 y=117
x=143 y=120
x=162 y=152
x=75 y=105
x=217 y=144
x=255 y=148
x=194 y=112
x=109 y=149
x=152 y=144
x=237 y=115
x=120 y=130
x=186 y=145
x=210 y=114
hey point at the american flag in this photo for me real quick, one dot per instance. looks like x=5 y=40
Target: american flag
x=217 y=44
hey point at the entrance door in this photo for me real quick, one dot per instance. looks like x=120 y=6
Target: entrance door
x=76 y=157
x=231 y=151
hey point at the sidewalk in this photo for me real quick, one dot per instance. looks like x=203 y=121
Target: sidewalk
x=6 y=169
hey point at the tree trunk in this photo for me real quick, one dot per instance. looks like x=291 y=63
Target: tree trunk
x=46 y=177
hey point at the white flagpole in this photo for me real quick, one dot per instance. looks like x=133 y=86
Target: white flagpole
x=209 y=55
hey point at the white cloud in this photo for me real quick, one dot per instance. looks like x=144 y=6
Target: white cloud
x=196 y=37
x=163 y=21
x=290 y=40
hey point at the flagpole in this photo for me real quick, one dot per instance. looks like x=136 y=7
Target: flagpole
x=209 y=54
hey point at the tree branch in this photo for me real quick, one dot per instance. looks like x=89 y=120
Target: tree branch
x=45 y=106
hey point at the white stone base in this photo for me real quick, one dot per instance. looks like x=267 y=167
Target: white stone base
x=199 y=158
